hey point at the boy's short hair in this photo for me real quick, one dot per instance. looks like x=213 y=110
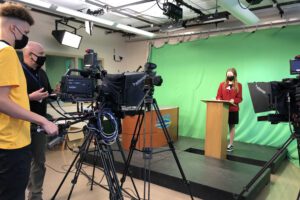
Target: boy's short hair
x=16 y=11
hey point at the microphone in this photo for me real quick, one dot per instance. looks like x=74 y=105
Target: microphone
x=138 y=69
x=138 y=82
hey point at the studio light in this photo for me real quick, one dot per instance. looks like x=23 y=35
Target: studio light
x=64 y=37
x=67 y=38
x=173 y=11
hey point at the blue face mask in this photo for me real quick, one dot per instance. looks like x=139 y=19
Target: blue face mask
x=21 y=43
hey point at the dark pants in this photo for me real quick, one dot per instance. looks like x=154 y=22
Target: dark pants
x=14 y=173
x=38 y=169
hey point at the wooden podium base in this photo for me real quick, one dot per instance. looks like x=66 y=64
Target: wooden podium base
x=216 y=128
x=170 y=116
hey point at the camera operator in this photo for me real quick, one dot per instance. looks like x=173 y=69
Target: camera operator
x=15 y=154
x=38 y=89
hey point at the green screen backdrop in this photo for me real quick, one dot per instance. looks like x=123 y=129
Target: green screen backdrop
x=193 y=71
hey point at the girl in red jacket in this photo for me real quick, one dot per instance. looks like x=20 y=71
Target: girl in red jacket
x=231 y=90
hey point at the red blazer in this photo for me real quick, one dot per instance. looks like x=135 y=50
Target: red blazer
x=224 y=93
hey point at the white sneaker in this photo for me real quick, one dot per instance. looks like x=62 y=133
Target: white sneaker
x=230 y=148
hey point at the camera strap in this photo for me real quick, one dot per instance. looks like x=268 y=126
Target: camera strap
x=35 y=78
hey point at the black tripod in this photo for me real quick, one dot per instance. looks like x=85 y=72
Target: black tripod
x=105 y=154
x=147 y=103
x=294 y=135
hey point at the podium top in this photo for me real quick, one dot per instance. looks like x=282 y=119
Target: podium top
x=217 y=101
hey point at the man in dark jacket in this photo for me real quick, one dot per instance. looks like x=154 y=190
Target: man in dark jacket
x=38 y=89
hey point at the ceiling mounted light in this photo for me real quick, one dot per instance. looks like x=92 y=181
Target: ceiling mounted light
x=254 y=2
x=212 y=18
x=173 y=11
x=84 y=16
x=38 y=3
x=65 y=37
x=94 y=19
x=172 y=26
x=135 y=30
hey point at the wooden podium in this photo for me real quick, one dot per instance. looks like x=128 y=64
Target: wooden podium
x=216 y=128
x=170 y=115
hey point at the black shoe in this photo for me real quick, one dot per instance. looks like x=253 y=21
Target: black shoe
x=230 y=148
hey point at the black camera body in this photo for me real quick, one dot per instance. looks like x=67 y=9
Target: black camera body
x=77 y=88
x=115 y=91
x=282 y=96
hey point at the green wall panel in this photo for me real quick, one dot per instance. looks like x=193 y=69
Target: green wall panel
x=56 y=67
x=193 y=71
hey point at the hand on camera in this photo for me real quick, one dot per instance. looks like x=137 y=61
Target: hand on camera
x=50 y=128
x=38 y=95
x=231 y=101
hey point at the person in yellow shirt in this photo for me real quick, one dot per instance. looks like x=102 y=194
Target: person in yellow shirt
x=15 y=154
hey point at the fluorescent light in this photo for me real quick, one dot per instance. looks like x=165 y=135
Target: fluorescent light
x=37 y=3
x=135 y=30
x=215 y=20
x=67 y=38
x=84 y=16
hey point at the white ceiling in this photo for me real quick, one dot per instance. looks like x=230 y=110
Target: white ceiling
x=147 y=12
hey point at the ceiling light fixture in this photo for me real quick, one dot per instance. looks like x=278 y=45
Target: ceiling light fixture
x=38 y=3
x=84 y=16
x=212 y=18
x=135 y=30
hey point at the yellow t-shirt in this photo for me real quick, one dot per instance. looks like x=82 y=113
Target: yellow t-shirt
x=14 y=133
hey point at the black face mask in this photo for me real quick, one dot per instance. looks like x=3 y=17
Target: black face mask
x=230 y=78
x=20 y=44
x=40 y=60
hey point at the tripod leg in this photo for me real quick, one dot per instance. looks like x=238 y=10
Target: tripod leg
x=124 y=160
x=80 y=162
x=134 y=140
x=82 y=148
x=298 y=146
x=171 y=146
x=147 y=156
x=266 y=166
x=95 y=159
x=109 y=171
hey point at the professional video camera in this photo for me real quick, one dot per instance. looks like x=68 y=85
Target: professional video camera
x=119 y=92
x=109 y=95
x=281 y=96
